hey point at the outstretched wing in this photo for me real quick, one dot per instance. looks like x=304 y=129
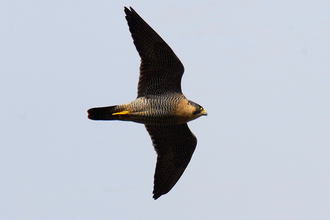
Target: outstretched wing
x=160 y=70
x=174 y=146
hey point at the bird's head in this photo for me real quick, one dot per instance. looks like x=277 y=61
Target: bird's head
x=199 y=110
x=188 y=110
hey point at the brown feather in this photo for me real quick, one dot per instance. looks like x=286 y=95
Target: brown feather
x=160 y=70
x=174 y=146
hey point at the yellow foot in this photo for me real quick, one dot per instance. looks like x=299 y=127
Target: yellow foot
x=121 y=113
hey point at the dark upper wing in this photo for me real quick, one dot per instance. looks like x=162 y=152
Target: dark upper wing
x=174 y=146
x=160 y=70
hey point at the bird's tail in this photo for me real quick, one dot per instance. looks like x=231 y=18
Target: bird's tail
x=106 y=113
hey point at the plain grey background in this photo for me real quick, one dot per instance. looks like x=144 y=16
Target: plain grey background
x=259 y=68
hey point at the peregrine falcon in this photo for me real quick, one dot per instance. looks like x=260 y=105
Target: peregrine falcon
x=160 y=105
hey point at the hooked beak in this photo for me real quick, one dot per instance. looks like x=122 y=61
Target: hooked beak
x=204 y=112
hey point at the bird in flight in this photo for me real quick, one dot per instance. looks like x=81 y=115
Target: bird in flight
x=160 y=105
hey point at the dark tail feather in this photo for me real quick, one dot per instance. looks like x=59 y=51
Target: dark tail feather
x=103 y=113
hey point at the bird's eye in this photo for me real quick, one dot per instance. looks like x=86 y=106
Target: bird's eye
x=201 y=108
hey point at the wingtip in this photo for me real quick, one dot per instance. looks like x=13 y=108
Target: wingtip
x=159 y=192
x=155 y=197
x=128 y=9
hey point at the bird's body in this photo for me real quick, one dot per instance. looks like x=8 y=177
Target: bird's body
x=160 y=105
x=172 y=109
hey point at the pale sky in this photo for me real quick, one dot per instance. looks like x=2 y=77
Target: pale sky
x=259 y=68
